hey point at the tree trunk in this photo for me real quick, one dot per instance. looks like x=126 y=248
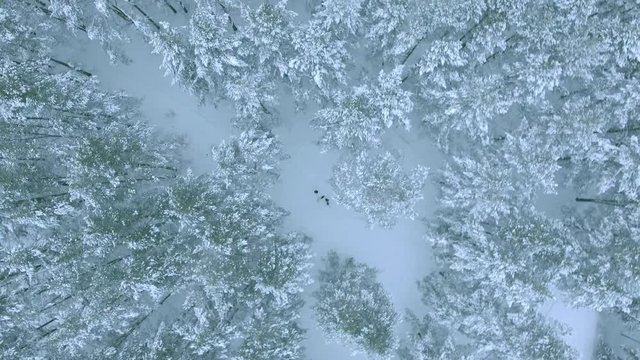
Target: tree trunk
x=68 y=66
x=121 y=339
x=47 y=323
x=49 y=306
x=413 y=48
x=184 y=8
x=625 y=129
x=166 y=2
x=629 y=337
x=604 y=201
x=233 y=24
x=40 y=198
x=155 y=24
x=463 y=38
x=121 y=14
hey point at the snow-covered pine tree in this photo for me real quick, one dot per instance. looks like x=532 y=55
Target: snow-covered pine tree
x=376 y=186
x=216 y=47
x=520 y=256
x=280 y=275
x=215 y=56
x=429 y=340
x=350 y=123
x=481 y=187
x=352 y=307
x=492 y=327
x=320 y=60
x=105 y=21
x=604 y=351
x=269 y=28
x=251 y=158
x=342 y=18
x=357 y=120
x=178 y=59
x=607 y=258
x=383 y=23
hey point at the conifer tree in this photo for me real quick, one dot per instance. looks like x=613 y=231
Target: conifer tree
x=352 y=307
x=376 y=186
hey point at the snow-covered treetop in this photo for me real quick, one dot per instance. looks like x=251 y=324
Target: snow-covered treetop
x=353 y=308
x=251 y=158
x=376 y=186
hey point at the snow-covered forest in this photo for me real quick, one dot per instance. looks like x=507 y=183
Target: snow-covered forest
x=320 y=179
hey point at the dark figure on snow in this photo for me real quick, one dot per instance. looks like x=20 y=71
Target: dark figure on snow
x=326 y=199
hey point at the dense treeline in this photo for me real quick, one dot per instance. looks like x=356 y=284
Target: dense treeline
x=109 y=250
x=524 y=98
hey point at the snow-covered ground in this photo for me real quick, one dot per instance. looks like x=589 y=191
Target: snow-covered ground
x=582 y=323
x=401 y=254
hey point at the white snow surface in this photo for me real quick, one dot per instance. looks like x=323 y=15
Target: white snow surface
x=581 y=322
x=402 y=254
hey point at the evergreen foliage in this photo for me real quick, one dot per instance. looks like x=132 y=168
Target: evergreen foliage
x=352 y=307
x=109 y=248
x=376 y=186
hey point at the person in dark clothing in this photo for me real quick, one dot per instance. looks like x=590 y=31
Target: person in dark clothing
x=326 y=199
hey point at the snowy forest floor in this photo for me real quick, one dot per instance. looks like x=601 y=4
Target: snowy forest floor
x=402 y=254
